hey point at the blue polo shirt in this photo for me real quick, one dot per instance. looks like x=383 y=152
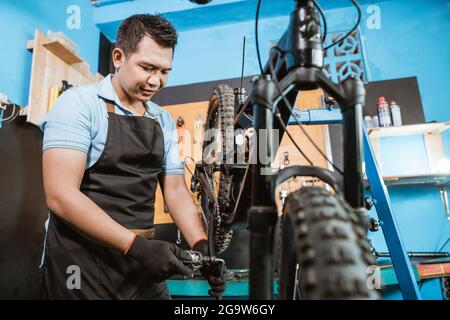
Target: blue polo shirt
x=79 y=120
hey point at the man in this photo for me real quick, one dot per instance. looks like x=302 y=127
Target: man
x=106 y=146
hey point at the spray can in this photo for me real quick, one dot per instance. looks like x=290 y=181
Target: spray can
x=384 y=115
x=396 y=114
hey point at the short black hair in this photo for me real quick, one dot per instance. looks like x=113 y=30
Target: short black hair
x=135 y=27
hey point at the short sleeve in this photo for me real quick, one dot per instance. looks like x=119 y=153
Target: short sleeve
x=172 y=163
x=68 y=123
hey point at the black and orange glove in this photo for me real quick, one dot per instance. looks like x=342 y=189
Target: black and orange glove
x=160 y=259
x=211 y=271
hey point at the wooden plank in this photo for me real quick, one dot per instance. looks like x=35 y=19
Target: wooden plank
x=190 y=146
x=305 y=100
x=37 y=108
x=428 y=271
x=62 y=52
x=327 y=146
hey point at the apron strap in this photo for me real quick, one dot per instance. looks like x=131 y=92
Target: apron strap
x=110 y=106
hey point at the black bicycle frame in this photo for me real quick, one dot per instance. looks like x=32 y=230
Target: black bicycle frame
x=297 y=63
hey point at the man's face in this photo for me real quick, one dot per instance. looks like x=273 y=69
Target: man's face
x=142 y=73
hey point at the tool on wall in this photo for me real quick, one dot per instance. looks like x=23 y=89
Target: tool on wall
x=180 y=126
x=56 y=91
x=65 y=86
x=286 y=160
x=285 y=187
x=5 y=104
x=178 y=241
x=180 y=130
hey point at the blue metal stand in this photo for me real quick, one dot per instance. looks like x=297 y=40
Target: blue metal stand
x=399 y=256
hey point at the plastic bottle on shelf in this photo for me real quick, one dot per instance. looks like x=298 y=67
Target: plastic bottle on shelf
x=376 y=122
x=396 y=114
x=384 y=115
x=369 y=121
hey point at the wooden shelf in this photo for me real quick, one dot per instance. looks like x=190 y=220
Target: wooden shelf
x=432 y=136
x=62 y=52
x=414 y=129
x=52 y=62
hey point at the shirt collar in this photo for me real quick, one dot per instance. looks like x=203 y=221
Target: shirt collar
x=106 y=91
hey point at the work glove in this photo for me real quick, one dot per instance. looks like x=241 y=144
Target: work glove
x=211 y=272
x=160 y=259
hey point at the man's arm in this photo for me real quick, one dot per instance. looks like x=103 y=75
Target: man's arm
x=63 y=171
x=182 y=208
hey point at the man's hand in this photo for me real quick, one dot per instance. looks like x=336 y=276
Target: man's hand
x=159 y=258
x=211 y=272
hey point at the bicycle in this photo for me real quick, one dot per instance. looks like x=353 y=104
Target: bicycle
x=324 y=233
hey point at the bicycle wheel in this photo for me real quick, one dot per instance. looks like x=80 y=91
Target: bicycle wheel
x=326 y=238
x=218 y=150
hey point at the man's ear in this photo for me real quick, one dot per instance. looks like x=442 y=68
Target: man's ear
x=118 y=57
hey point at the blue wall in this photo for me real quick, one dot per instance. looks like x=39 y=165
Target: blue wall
x=18 y=20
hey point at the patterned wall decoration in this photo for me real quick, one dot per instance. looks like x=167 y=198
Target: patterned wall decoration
x=346 y=58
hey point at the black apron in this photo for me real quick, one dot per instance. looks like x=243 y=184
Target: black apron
x=123 y=183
